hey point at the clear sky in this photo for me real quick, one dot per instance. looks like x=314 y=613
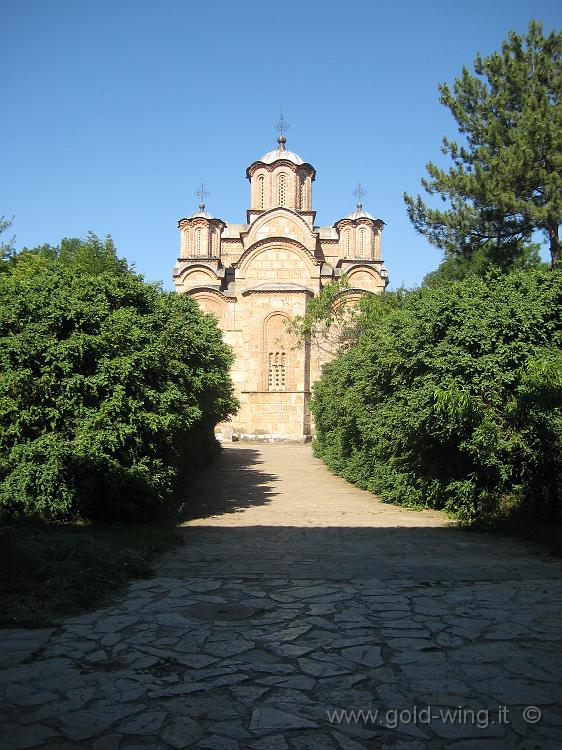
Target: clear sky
x=114 y=111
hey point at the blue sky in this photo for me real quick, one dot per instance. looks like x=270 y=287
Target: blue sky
x=113 y=112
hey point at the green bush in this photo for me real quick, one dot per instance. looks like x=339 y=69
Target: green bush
x=451 y=397
x=109 y=391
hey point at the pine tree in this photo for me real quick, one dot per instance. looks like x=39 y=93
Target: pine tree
x=506 y=178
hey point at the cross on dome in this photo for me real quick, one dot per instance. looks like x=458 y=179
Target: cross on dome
x=202 y=193
x=359 y=193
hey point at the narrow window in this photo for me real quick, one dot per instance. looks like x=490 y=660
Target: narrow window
x=198 y=242
x=348 y=243
x=261 y=191
x=282 y=189
x=303 y=193
x=361 y=243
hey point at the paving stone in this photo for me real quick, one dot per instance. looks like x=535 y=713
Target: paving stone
x=196 y=661
x=232 y=729
x=448 y=640
x=182 y=731
x=94 y=719
x=290 y=650
x=368 y=655
x=312 y=742
x=298 y=682
x=265 y=719
x=148 y=723
x=35 y=698
x=347 y=743
x=513 y=691
x=109 y=742
x=352 y=641
x=319 y=668
x=173 y=620
x=31 y=736
x=452 y=731
x=259 y=656
x=378 y=613
x=228 y=648
x=247 y=694
x=219 y=742
x=314 y=591
x=288 y=634
x=273 y=742
x=281 y=695
x=341 y=682
x=202 y=586
x=495 y=744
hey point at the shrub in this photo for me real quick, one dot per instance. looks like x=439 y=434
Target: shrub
x=451 y=397
x=109 y=392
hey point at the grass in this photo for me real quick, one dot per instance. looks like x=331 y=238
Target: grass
x=51 y=570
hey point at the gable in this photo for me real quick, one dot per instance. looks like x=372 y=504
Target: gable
x=280 y=223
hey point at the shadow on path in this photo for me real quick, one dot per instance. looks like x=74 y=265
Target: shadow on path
x=230 y=484
x=430 y=555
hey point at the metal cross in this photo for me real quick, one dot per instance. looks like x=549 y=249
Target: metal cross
x=202 y=193
x=282 y=126
x=359 y=192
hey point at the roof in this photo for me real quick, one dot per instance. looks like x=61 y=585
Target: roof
x=202 y=213
x=278 y=286
x=234 y=230
x=359 y=213
x=327 y=233
x=281 y=153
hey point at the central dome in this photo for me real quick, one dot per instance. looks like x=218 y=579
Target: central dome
x=281 y=153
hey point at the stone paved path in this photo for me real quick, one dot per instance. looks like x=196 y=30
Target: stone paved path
x=294 y=597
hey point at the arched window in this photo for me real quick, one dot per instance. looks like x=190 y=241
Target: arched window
x=261 y=191
x=282 y=189
x=198 y=246
x=276 y=376
x=347 y=243
x=361 y=243
x=304 y=203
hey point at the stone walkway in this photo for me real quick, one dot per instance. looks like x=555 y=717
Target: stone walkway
x=301 y=613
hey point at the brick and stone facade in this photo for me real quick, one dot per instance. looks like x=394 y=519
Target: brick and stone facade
x=255 y=276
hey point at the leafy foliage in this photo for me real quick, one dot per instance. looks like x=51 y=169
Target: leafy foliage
x=329 y=322
x=88 y=256
x=452 y=397
x=505 y=181
x=109 y=387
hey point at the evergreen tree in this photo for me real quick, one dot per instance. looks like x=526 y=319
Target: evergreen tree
x=505 y=181
x=6 y=248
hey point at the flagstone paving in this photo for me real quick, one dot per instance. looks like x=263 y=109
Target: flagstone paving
x=296 y=598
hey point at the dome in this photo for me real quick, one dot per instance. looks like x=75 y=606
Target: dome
x=359 y=213
x=278 y=154
x=281 y=153
x=202 y=213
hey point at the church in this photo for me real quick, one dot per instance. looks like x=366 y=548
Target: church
x=256 y=276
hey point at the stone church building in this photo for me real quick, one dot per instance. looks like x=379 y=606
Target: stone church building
x=256 y=276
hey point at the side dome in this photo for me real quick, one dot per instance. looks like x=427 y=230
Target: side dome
x=359 y=213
